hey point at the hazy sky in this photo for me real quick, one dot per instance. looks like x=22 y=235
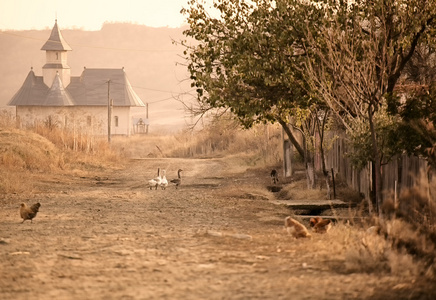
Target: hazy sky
x=88 y=14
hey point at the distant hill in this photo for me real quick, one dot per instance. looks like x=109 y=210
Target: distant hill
x=147 y=54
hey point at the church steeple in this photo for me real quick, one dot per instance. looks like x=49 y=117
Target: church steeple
x=56 y=58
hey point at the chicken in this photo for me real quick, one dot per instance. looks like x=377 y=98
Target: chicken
x=315 y=220
x=320 y=225
x=297 y=229
x=28 y=213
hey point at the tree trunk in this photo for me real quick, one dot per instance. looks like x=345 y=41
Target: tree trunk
x=377 y=165
x=327 y=184
x=311 y=174
x=292 y=138
x=320 y=128
x=324 y=168
x=308 y=161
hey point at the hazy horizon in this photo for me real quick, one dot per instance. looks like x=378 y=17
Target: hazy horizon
x=89 y=15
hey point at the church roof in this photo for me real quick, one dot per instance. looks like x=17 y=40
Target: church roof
x=89 y=89
x=57 y=95
x=32 y=92
x=56 y=42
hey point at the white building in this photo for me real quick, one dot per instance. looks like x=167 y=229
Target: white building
x=79 y=103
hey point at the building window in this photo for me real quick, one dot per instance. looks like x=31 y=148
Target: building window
x=57 y=56
x=116 y=121
x=89 y=121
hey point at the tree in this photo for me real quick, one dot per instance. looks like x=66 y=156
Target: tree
x=357 y=57
x=416 y=131
x=249 y=60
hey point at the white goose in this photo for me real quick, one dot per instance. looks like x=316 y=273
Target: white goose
x=155 y=182
x=164 y=182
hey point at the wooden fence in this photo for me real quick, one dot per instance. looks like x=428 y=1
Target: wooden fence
x=402 y=172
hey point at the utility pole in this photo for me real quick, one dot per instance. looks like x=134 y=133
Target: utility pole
x=146 y=116
x=109 y=111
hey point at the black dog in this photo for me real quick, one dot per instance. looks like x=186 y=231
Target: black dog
x=274 y=176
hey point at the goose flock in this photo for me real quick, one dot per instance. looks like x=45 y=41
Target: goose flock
x=162 y=181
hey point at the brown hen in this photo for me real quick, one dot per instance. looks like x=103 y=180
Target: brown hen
x=320 y=225
x=28 y=213
x=297 y=229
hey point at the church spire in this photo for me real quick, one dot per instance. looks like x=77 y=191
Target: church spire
x=56 y=49
x=56 y=42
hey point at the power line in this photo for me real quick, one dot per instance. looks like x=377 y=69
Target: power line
x=161 y=100
x=90 y=46
x=144 y=88
x=156 y=90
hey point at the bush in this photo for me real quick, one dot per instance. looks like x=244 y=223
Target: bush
x=404 y=242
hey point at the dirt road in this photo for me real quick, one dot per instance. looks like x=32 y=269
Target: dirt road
x=107 y=236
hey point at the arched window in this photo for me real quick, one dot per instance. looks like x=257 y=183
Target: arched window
x=116 y=121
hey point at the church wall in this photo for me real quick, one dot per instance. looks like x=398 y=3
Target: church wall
x=86 y=119
x=121 y=121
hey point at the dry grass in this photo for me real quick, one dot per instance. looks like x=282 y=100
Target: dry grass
x=258 y=146
x=410 y=224
x=402 y=243
x=27 y=151
x=143 y=146
x=41 y=150
x=296 y=188
x=361 y=250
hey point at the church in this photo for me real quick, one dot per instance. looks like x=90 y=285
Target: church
x=85 y=103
